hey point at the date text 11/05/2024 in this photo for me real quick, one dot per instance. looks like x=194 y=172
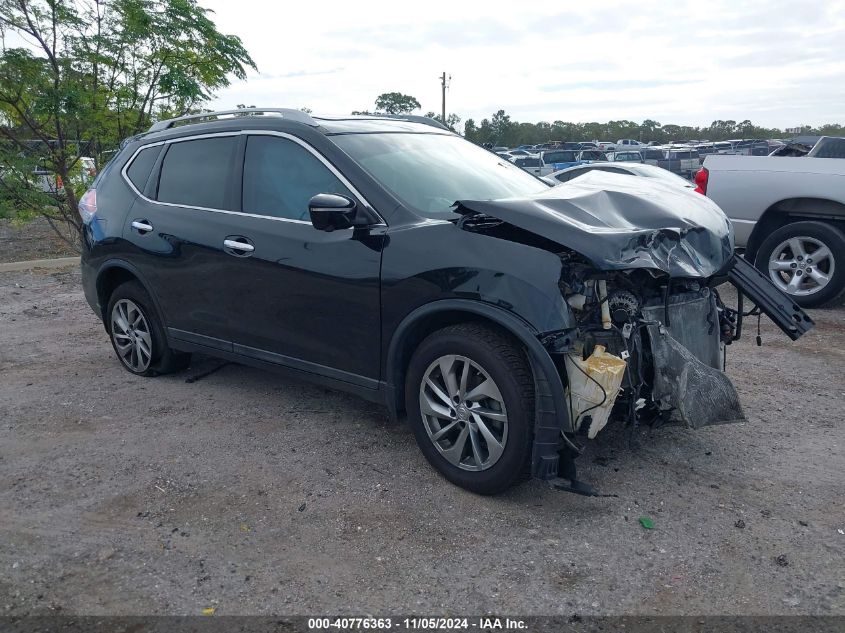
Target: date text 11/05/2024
x=417 y=624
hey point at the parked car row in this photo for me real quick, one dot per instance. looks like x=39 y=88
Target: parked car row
x=548 y=161
x=680 y=157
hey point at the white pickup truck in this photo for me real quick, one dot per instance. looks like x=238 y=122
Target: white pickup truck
x=788 y=214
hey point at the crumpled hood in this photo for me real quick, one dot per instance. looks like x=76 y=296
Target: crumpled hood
x=620 y=222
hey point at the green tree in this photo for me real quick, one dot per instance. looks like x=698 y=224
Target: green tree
x=501 y=127
x=396 y=103
x=96 y=73
x=452 y=120
x=649 y=129
x=485 y=132
x=471 y=131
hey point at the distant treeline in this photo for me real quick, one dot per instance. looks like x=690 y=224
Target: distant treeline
x=500 y=129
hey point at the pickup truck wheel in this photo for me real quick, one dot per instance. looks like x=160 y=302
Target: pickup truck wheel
x=469 y=394
x=806 y=260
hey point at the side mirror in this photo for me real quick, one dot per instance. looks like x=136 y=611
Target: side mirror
x=330 y=211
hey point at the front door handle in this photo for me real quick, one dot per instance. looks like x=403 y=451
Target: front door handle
x=238 y=246
x=142 y=226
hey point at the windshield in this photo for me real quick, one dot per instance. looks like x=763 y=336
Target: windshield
x=430 y=172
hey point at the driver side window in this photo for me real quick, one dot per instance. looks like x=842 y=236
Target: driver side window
x=280 y=177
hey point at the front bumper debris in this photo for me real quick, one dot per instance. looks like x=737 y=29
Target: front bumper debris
x=687 y=389
x=784 y=312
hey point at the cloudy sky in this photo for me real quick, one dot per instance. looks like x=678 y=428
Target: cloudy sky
x=777 y=62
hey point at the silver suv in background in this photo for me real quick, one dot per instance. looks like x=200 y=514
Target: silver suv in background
x=653 y=155
x=626 y=156
x=682 y=160
x=628 y=143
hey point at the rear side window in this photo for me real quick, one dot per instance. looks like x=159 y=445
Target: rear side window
x=142 y=165
x=196 y=173
x=612 y=170
x=281 y=176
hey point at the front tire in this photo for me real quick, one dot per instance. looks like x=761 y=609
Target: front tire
x=469 y=394
x=137 y=334
x=806 y=260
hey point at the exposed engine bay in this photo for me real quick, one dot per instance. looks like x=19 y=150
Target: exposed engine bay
x=646 y=334
x=667 y=335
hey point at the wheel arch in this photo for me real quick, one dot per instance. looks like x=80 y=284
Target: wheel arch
x=551 y=412
x=791 y=210
x=111 y=275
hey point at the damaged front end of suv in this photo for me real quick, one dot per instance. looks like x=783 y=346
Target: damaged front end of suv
x=641 y=269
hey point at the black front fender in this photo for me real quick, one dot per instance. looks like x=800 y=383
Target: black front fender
x=551 y=411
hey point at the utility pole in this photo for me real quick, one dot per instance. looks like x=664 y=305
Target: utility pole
x=443 y=86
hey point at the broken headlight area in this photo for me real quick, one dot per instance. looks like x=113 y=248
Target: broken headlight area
x=647 y=349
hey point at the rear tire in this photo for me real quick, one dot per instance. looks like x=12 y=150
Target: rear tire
x=806 y=260
x=476 y=428
x=137 y=333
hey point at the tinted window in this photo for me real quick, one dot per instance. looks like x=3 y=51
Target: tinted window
x=831 y=147
x=280 y=177
x=527 y=162
x=139 y=170
x=559 y=157
x=569 y=175
x=196 y=173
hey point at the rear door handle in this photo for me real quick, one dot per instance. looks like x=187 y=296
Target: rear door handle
x=238 y=246
x=142 y=226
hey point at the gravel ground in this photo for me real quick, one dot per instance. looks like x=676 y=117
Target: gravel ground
x=249 y=493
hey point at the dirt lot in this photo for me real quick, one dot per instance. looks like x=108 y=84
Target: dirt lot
x=33 y=240
x=248 y=493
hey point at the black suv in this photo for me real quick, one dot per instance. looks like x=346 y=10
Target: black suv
x=391 y=258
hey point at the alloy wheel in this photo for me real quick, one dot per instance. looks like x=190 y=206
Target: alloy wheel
x=801 y=265
x=130 y=332
x=463 y=412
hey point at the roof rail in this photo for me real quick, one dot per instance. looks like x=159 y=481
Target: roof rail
x=287 y=113
x=415 y=118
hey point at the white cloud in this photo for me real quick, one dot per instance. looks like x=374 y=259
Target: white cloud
x=776 y=62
